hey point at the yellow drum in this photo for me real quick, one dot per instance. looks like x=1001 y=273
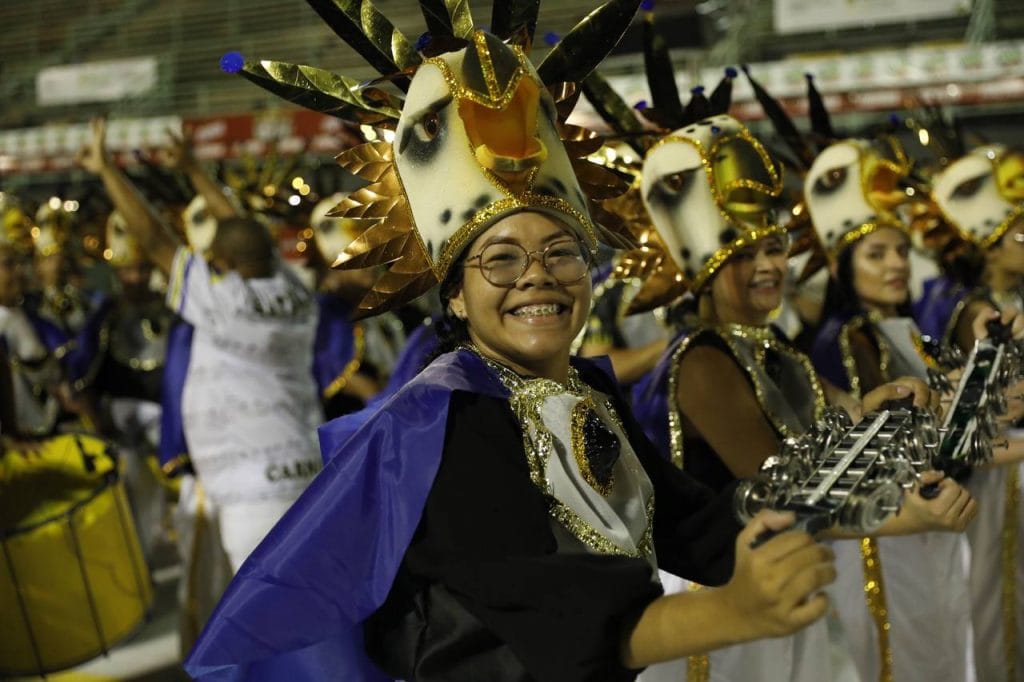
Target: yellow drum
x=72 y=577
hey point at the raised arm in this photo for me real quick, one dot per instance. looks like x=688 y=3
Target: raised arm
x=155 y=238
x=179 y=155
x=630 y=364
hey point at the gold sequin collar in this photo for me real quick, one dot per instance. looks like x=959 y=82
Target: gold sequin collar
x=749 y=332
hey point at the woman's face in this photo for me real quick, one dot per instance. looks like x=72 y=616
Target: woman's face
x=881 y=270
x=530 y=325
x=52 y=270
x=749 y=286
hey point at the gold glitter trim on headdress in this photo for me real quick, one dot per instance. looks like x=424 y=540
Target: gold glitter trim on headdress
x=860 y=232
x=751 y=217
x=721 y=192
x=746 y=238
x=1015 y=213
x=884 y=200
x=496 y=97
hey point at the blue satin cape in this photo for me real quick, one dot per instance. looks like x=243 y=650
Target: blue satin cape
x=295 y=610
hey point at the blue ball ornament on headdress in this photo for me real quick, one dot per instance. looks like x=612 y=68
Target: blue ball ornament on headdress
x=232 y=62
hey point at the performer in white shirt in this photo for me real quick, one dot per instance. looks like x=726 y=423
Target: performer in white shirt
x=250 y=405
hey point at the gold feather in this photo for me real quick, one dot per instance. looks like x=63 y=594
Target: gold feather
x=649 y=260
x=324 y=91
x=390 y=238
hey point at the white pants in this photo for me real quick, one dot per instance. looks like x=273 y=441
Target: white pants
x=802 y=657
x=244 y=524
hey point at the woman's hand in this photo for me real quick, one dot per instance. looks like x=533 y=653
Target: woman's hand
x=775 y=590
x=899 y=389
x=776 y=587
x=1009 y=317
x=178 y=154
x=93 y=155
x=952 y=509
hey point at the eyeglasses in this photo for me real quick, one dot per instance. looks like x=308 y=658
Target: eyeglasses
x=502 y=264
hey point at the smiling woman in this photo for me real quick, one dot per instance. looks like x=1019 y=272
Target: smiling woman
x=867 y=338
x=501 y=517
x=521 y=310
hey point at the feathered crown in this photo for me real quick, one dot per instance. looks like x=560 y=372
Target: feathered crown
x=52 y=231
x=982 y=194
x=15 y=226
x=469 y=111
x=852 y=186
x=708 y=186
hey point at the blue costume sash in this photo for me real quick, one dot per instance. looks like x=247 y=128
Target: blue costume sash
x=50 y=334
x=828 y=354
x=79 y=353
x=935 y=308
x=89 y=345
x=335 y=345
x=413 y=358
x=173 y=450
x=650 y=398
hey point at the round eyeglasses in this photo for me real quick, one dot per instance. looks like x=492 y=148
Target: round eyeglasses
x=503 y=263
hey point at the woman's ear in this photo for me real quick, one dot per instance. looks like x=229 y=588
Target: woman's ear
x=457 y=305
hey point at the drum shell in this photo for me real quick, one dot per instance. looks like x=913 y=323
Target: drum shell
x=74 y=584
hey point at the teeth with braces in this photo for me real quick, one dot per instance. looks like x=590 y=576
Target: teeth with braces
x=539 y=309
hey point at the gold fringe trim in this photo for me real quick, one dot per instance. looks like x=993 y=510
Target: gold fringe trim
x=1011 y=524
x=874 y=595
x=858 y=233
x=675 y=415
x=341 y=381
x=698 y=666
x=850 y=363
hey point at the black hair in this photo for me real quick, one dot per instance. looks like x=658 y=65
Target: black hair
x=840 y=295
x=245 y=240
x=452 y=331
x=963 y=262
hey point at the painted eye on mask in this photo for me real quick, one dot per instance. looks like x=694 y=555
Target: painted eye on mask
x=326 y=226
x=200 y=217
x=428 y=127
x=832 y=180
x=671 y=188
x=969 y=188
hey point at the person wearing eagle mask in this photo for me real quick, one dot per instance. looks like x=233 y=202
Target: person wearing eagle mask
x=501 y=517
